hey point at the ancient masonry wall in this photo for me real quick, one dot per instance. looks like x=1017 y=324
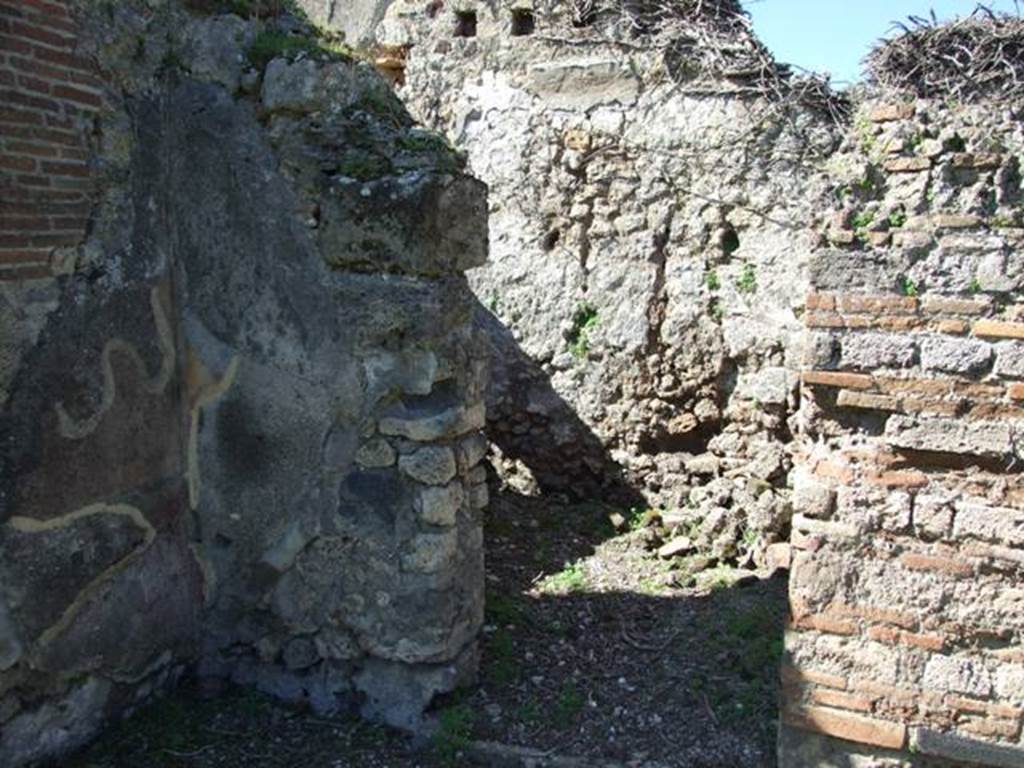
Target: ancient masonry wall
x=51 y=97
x=907 y=639
x=240 y=390
x=649 y=251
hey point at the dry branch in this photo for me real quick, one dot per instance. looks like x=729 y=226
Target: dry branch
x=980 y=56
x=708 y=41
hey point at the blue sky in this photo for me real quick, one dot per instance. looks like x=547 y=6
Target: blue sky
x=834 y=35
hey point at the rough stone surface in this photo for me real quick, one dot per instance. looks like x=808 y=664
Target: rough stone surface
x=645 y=272
x=908 y=526
x=191 y=475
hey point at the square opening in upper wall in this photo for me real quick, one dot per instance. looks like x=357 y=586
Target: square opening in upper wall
x=583 y=15
x=465 y=23
x=523 y=22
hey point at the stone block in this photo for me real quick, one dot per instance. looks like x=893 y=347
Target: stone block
x=847 y=725
x=431 y=552
x=470 y=451
x=998 y=329
x=980 y=438
x=376 y=453
x=583 y=83
x=290 y=86
x=814 y=500
x=960 y=749
x=957 y=674
x=422 y=223
x=907 y=164
x=887 y=113
x=955 y=355
x=868 y=351
x=479 y=496
x=1010 y=359
x=440 y=505
x=431 y=464
x=998 y=525
x=428 y=426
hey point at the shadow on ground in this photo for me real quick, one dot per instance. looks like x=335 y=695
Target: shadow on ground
x=596 y=648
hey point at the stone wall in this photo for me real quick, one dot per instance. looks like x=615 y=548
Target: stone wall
x=649 y=251
x=242 y=394
x=907 y=639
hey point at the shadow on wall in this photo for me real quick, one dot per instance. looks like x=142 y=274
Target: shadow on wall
x=531 y=423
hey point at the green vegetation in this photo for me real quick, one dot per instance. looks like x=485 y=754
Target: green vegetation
x=897 y=219
x=584 y=320
x=908 y=287
x=385 y=105
x=569 y=705
x=270 y=44
x=747 y=281
x=364 y=166
x=423 y=142
x=975 y=286
x=569 y=579
x=865 y=132
x=712 y=281
x=861 y=221
x=453 y=736
x=502 y=669
x=503 y=610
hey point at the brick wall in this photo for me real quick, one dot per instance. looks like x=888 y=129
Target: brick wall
x=49 y=97
x=907 y=631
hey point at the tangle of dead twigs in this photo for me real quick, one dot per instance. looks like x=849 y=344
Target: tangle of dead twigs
x=979 y=56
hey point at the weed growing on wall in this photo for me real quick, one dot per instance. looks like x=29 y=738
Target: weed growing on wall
x=583 y=322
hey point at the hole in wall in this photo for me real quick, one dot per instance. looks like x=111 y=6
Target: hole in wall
x=729 y=241
x=551 y=239
x=583 y=17
x=465 y=23
x=523 y=22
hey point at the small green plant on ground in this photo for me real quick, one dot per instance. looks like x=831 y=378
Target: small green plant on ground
x=974 y=286
x=569 y=579
x=897 y=219
x=711 y=280
x=502 y=668
x=747 y=281
x=640 y=518
x=529 y=713
x=503 y=610
x=453 y=734
x=569 y=705
x=908 y=287
x=584 y=320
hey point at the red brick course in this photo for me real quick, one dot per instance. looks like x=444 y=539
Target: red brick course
x=49 y=96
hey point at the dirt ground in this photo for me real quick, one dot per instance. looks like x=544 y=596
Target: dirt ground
x=595 y=652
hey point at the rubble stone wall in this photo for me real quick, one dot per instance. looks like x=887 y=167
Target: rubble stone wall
x=241 y=390
x=649 y=249
x=907 y=639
